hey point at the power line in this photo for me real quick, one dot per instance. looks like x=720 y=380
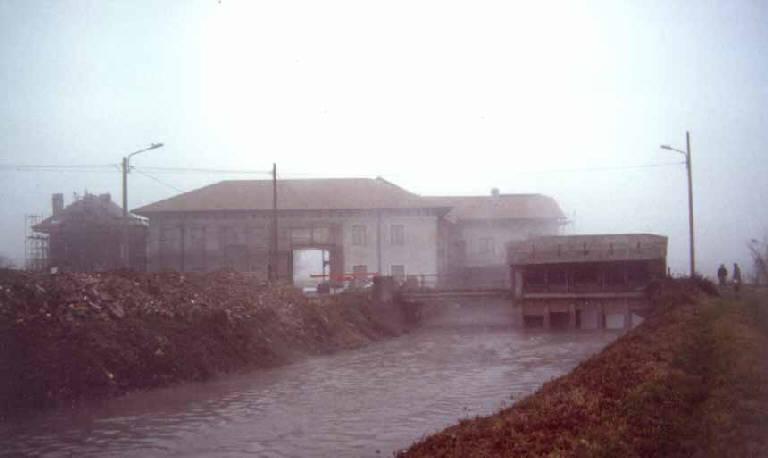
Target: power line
x=290 y=174
x=111 y=168
x=116 y=167
x=57 y=168
x=205 y=170
x=158 y=180
x=597 y=169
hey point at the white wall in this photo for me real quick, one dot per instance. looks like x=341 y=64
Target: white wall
x=418 y=253
x=502 y=233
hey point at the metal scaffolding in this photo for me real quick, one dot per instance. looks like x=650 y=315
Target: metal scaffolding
x=35 y=245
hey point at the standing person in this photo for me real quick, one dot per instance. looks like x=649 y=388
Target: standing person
x=722 y=274
x=736 y=277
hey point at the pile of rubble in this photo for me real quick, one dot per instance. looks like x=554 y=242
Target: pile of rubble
x=70 y=336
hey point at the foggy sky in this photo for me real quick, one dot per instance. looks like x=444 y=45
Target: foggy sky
x=439 y=97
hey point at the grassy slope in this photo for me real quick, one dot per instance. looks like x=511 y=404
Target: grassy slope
x=691 y=381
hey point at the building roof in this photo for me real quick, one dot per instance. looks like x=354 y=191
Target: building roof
x=90 y=209
x=556 y=249
x=500 y=206
x=305 y=194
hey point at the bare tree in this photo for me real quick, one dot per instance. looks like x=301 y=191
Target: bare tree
x=759 y=251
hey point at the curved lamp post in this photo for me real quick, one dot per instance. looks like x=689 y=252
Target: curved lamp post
x=687 y=154
x=126 y=168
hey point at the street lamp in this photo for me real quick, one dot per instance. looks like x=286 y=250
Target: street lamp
x=687 y=154
x=126 y=168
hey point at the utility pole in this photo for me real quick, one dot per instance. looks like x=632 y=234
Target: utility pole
x=125 y=261
x=690 y=199
x=273 y=249
x=687 y=154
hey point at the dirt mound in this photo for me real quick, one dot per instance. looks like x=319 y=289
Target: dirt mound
x=71 y=336
x=671 y=292
x=690 y=381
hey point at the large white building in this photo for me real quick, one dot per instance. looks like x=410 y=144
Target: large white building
x=359 y=226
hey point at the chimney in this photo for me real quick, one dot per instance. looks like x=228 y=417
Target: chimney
x=495 y=193
x=57 y=203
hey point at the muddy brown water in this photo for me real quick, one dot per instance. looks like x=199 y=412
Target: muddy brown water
x=467 y=360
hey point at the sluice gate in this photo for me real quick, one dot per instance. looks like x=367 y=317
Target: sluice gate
x=586 y=281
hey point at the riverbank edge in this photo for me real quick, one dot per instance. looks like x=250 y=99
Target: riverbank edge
x=692 y=380
x=71 y=338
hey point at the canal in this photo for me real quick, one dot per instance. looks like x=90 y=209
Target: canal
x=465 y=361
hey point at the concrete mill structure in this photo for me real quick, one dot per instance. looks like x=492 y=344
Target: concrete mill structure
x=585 y=281
x=360 y=227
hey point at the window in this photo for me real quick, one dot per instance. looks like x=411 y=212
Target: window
x=535 y=276
x=321 y=235
x=227 y=236
x=256 y=236
x=585 y=275
x=360 y=275
x=556 y=276
x=360 y=271
x=398 y=234
x=485 y=245
x=197 y=239
x=398 y=273
x=301 y=236
x=358 y=235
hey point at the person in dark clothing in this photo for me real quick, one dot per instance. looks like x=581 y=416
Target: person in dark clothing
x=736 y=277
x=722 y=274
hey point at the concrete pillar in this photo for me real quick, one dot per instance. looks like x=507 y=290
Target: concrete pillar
x=627 y=316
x=383 y=289
x=601 y=316
x=572 y=313
x=627 y=319
x=590 y=316
x=519 y=315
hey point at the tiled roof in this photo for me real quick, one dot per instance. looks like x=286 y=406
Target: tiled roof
x=305 y=194
x=90 y=209
x=501 y=206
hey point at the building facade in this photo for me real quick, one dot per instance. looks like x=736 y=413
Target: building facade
x=360 y=227
x=478 y=229
x=91 y=235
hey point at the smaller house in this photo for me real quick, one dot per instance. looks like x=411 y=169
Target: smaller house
x=477 y=229
x=585 y=281
x=88 y=235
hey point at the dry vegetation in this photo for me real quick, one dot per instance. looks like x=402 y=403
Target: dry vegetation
x=691 y=381
x=72 y=336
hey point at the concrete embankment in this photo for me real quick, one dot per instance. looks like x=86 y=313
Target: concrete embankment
x=690 y=381
x=77 y=336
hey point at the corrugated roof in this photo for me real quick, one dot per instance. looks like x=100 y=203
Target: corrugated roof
x=305 y=194
x=501 y=206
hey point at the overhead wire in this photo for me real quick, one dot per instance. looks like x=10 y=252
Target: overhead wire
x=111 y=168
x=158 y=180
x=203 y=170
x=600 y=168
x=289 y=174
x=57 y=168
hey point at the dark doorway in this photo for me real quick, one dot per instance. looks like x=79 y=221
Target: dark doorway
x=559 y=320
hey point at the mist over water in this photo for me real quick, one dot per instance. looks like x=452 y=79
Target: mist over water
x=467 y=360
